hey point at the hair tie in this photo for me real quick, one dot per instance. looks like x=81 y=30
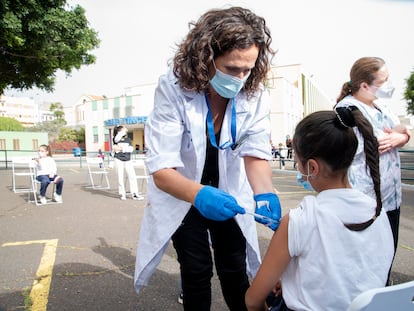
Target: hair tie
x=349 y=83
x=345 y=117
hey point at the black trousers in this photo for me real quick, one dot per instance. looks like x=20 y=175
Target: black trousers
x=394 y=219
x=192 y=243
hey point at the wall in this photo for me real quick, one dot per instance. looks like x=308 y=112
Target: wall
x=28 y=141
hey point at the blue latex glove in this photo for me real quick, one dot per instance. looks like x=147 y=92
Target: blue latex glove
x=268 y=204
x=215 y=204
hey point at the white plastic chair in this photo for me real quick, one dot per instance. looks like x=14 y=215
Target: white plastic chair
x=141 y=172
x=96 y=167
x=24 y=168
x=22 y=173
x=49 y=197
x=396 y=297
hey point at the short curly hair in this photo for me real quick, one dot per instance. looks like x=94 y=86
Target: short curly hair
x=217 y=32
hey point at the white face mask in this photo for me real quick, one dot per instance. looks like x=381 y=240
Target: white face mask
x=384 y=91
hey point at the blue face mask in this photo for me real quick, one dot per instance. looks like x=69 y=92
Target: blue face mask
x=305 y=183
x=226 y=85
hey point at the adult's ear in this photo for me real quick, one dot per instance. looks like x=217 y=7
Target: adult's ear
x=364 y=86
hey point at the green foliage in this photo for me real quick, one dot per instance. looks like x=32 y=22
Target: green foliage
x=59 y=133
x=409 y=94
x=71 y=134
x=81 y=135
x=39 y=37
x=27 y=299
x=57 y=109
x=51 y=127
x=67 y=134
x=10 y=125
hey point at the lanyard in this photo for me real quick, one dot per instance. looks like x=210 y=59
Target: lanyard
x=210 y=127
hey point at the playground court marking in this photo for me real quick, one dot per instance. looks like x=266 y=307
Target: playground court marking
x=41 y=285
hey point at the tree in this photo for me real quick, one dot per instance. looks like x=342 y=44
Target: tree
x=409 y=94
x=39 y=37
x=80 y=136
x=50 y=127
x=10 y=124
x=67 y=134
x=57 y=109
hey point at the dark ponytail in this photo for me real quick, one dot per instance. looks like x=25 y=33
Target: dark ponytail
x=351 y=116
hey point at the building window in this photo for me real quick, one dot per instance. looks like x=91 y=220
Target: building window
x=128 y=106
x=95 y=134
x=94 y=105
x=106 y=133
x=105 y=104
x=116 y=108
x=16 y=144
x=3 y=144
x=35 y=144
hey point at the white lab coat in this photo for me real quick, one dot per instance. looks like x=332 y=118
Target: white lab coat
x=175 y=134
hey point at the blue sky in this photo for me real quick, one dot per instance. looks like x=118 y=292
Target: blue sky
x=326 y=37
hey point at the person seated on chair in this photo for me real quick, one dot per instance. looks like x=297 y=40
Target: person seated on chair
x=339 y=240
x=47 y=173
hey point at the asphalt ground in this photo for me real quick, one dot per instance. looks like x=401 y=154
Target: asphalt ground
x=80 y=255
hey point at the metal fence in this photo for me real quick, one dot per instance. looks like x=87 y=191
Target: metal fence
x=65 y=157
x=62 y=157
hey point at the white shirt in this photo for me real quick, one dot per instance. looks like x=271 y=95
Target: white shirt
x=390 y=164
x=46 y=166
x=331 y=264
x=175 y=133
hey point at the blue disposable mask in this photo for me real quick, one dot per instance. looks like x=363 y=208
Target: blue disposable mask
x=304 y=182
x=226 y=85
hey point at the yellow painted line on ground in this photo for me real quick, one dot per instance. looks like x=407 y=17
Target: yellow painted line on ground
x=406 y=247
x=41 y=285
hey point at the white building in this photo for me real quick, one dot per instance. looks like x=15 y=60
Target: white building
x=99 y=116
x=294 y=95
x=23 y=109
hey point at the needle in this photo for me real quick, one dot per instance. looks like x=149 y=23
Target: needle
x=265 y=218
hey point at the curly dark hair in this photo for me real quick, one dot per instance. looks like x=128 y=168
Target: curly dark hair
x=217 y=32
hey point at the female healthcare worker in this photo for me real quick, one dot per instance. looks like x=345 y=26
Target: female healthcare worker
x=208 y=140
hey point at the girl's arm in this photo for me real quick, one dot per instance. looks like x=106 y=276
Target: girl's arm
x=52 y=167
x=274 y=263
